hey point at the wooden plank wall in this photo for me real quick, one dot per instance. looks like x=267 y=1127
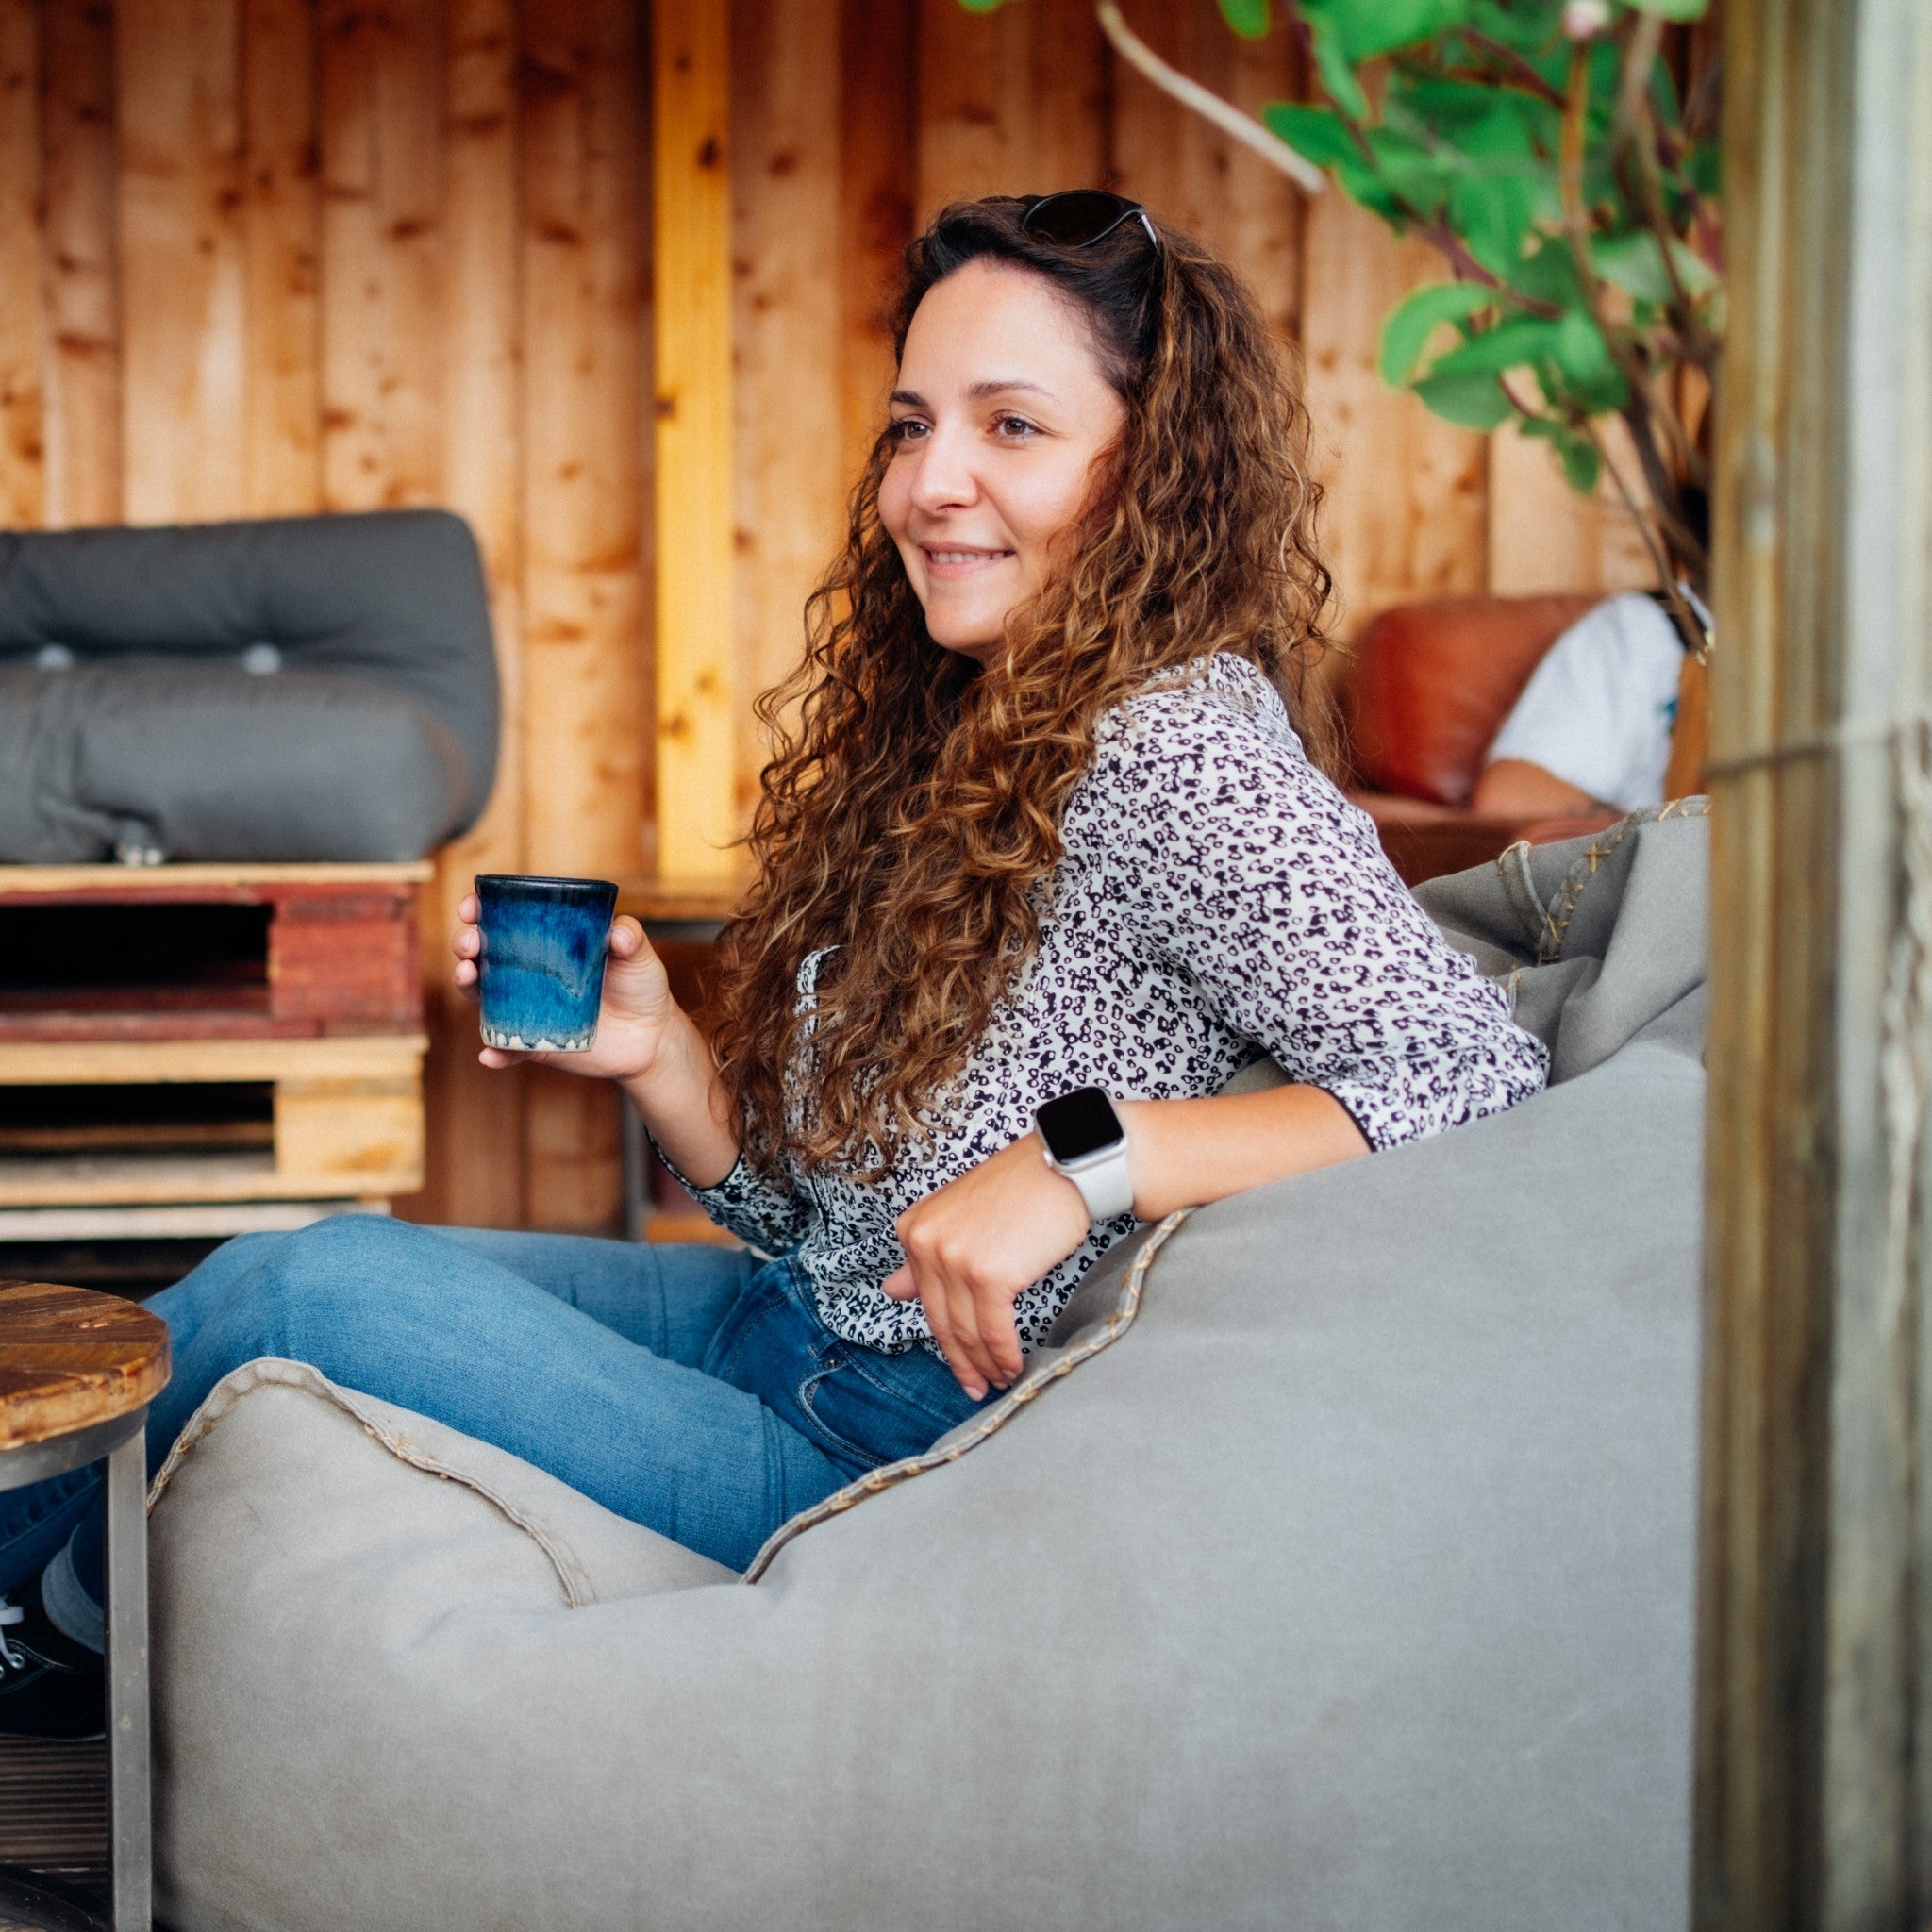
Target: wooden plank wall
x=261 y=257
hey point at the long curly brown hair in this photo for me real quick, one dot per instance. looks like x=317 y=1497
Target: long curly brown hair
x=910 y=817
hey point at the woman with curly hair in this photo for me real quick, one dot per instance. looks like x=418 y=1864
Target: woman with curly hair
x=1046 y=857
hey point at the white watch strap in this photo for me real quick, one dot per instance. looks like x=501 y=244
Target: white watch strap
x=1105 y=1184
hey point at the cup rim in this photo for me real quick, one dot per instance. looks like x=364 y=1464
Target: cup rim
x=534 y=878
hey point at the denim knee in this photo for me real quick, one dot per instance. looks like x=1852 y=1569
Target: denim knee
x=311 y=1282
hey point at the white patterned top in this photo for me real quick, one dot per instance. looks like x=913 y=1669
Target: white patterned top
x=1217 y=900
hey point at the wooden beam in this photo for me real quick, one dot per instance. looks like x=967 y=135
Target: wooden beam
x=476 y=1147
x=582 y=79
x=181 y=262
x=281 y=247
x=878 y=91
x=82 y=265
x=1814 y=1777
x=788 y=436
x=23 y=440
x=691 y=77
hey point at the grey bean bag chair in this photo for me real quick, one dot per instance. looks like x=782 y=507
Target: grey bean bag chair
x=1333 y=1570
x=306 y=688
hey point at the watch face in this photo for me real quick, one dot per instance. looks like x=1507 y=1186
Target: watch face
x=1079 y=1123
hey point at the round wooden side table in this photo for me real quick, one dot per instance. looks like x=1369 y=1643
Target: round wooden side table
x=78 y=1370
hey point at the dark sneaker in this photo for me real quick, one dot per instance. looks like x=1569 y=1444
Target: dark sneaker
x=50 y=1686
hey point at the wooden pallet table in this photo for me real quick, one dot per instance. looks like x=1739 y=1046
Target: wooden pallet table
x=198 y=1049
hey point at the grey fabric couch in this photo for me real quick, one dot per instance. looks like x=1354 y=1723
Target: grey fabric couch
x=298 y=689
x=1333 y=1569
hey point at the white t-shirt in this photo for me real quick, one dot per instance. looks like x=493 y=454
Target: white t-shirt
x=1597 y=712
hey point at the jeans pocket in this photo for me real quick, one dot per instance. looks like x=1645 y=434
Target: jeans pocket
x=884 y=1406
x=764 y=1297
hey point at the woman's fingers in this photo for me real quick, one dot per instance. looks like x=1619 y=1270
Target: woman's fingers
x=900 y=1285
x=626 y=938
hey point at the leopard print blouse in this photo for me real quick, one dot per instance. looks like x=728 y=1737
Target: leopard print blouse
x=1217 y=900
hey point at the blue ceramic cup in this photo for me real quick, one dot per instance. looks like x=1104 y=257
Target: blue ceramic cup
x=540 y=974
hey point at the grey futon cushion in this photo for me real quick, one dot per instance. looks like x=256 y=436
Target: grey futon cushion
x=1333 y=1570
x=301 y=688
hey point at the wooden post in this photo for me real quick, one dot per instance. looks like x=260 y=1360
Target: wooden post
x=1814 y=1779
x=691 y=77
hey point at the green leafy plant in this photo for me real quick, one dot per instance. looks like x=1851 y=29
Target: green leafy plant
x=1545 y=149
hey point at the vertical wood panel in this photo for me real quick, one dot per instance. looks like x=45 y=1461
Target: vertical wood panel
x=1544 y=537
x=583 y=683
x=1406 y=515
x=409 y=183
x=22 y=493
x=1009 y=103
x=696 y=693
x=82 y=264
x=878 y=82
x=184 y=416
x=381 y=221
x=475 y=1159
x=353 y=364
x=281 y=242
x=1187 y=173
x=788 y=442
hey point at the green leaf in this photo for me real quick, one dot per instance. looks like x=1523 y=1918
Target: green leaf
x=1672 y=10
x=1319 y=135
x=1314 y=133
x=1496 y=213
x=1364 y=28
x=1584 y=359
x=1408 y=326
x=1582 y=466
x=1473 y=402
x=1635 y=263
x=1547 y=272
x=1333 y=64
x=1513 y=343
x=1418 y=176
x=1248 y=18
x=982 y=6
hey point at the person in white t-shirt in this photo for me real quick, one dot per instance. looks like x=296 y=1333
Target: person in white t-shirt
x=1593 y=727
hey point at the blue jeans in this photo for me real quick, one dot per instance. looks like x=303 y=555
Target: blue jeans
x=689 y=1389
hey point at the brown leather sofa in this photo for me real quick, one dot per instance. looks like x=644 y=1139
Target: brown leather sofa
x=1426 y=689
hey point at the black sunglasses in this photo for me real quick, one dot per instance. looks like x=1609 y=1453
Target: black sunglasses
x=1078 y=217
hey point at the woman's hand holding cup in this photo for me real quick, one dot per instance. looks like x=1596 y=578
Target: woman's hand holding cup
x=634 y=1013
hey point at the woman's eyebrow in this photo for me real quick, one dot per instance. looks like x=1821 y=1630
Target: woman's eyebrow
x=977 y=393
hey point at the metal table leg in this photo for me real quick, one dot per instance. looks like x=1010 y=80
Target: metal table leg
x=130 y=1827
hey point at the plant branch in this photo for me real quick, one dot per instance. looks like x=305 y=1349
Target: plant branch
x=1689 y=628
x=1515 y=64
x=1205 y=101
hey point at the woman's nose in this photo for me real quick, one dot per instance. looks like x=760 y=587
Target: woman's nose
x=945 y=478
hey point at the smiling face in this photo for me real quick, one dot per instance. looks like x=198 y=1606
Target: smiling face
x=1001 y=407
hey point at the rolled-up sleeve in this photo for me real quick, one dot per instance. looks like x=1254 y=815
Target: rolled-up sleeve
x=1230 y=854
x=761 y=1210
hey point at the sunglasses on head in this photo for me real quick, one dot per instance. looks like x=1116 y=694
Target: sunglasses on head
x=1078 y=217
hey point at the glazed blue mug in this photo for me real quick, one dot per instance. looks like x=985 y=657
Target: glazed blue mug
x=540 y=972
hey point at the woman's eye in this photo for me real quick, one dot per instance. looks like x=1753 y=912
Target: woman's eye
x=905 y=430
x=1014 y=428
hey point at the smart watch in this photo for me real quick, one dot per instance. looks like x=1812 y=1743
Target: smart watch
x=1084 y=1140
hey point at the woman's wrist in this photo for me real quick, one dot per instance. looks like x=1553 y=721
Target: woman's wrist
x=682 y=1102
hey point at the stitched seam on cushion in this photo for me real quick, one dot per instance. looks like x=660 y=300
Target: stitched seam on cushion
x=226 y=1394
x=890 y=1475
x=1569 y=895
